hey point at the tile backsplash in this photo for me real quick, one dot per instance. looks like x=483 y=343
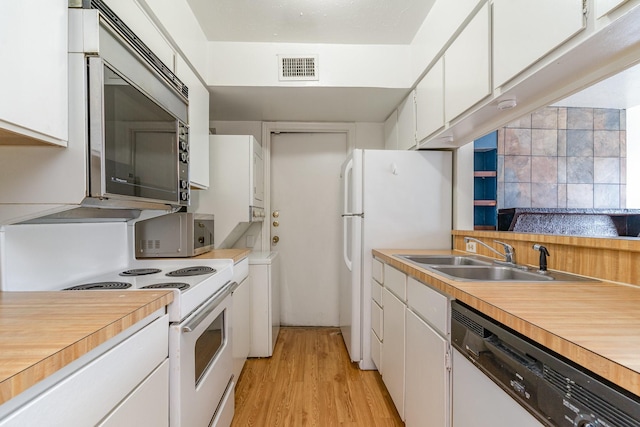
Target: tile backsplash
x=563 y=157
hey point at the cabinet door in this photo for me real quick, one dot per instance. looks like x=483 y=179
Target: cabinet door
x=427 y=395
x=147 y=405
x=198 y=125
x=393 y=349
x=241 y=325
x=144 y=28
x=258 y=175
x=34 y=71
x=467 y=78
x=519 y=23
x=407 y=123
x=605 y=6
x=430 y=101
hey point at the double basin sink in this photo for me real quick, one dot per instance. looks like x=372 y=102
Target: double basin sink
x=475 y=268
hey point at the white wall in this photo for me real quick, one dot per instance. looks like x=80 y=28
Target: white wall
x=463 y=188
x=49 y=256
x=633 y=158
x=238 y=128
x=256 y=64
x=370 y=135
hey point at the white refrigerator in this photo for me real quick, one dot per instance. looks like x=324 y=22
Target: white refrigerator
x=390 y=199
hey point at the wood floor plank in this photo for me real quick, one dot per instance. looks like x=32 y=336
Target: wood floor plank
x=310 y=381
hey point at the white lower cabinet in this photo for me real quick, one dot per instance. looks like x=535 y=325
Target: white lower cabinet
x=393 y=349
x=141 y=407
x=428 y=377
x=265 y=303
x=241 y=325
x=124 y=382
x=412 y=350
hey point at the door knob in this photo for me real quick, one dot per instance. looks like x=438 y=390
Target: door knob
x=276 y=223
x=275 y=240
x=276 y=214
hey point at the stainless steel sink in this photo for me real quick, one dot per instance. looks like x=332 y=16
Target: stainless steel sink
x=490 y=274
x=495 y=273
x=428 y=260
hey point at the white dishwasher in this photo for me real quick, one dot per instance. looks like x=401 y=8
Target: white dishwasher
x=503 y=379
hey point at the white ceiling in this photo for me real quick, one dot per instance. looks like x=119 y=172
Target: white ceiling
x=311 y=21
x=308 y=21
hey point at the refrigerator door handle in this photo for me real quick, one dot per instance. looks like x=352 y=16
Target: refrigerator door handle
x=346 y=183
x=345 y=236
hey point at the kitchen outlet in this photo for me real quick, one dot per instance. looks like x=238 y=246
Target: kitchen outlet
x=471 y=247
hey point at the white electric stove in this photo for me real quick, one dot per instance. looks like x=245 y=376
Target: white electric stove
x=193 y=281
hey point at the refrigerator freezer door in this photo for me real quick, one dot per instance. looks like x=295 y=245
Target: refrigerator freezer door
x=351 y=262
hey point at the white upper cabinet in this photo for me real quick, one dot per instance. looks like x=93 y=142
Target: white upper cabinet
x=33 y=54
x=524 y=31
x=391 y=131
x=407 y=123
x=430 y=101
x=605 y=6
x=467 y=76
x=141 y=24
x=198 y=125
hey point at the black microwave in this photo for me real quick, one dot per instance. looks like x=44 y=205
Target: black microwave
x=138 y=122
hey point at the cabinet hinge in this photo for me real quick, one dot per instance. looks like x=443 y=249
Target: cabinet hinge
x=585 y=9
x=447 y=359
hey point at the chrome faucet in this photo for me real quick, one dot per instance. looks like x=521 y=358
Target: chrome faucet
x=509 y=253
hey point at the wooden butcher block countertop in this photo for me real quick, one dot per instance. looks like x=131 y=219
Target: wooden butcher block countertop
x=234 y=254
x=594 y=324
x=41 y=332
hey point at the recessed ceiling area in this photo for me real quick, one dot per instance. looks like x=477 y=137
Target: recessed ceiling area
x=311 y=21
x=354 y=22
x=307 y=104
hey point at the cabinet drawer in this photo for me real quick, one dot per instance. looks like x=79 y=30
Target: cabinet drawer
x=376 y=292
x=429 y=304
x=376 y=319
x=396 y=282
x=376 y=351
x=376 y=271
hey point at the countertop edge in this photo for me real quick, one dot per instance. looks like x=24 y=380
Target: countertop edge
x=608 y=369
x=21 y=381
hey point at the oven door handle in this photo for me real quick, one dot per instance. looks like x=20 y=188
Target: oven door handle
x=217 y=298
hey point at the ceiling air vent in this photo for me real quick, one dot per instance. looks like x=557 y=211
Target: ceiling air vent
x=298 y=67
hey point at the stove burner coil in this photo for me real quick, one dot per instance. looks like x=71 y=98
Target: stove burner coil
x=191 y=271
x=171 y=285
x=99 y=285
x=140 y=271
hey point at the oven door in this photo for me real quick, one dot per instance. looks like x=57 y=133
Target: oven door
x=201 y=362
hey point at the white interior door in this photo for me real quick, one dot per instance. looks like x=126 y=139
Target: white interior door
x=305 y=196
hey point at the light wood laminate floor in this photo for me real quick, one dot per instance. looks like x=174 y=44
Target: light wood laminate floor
x=310 y=381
